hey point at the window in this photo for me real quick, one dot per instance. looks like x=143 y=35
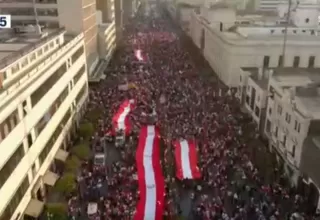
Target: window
x=77 y=54
x=293 y=152
x=276 y=130
x=79 y=74
x=11 y=164
x=288 y=118
x=24 y=108
x=240 y=79
x=247 y=99
x=279 y=109
x=270 y=111
x=280 y=61
x=30 y=142
x=284 y=140
x=271 y=31
x=266 y=61
x=43 y=89
x=81 y=93
x=34 y=170
x=311 y=61
x=296 y=61
x=16 y=199
x=257 y=111
x=8 y=124
x=297 y=126
x=268 y=126
x=307 y=20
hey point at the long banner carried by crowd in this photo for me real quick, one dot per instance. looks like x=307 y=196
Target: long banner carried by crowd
x=186 y=159
x=150 y=177
x=121 y=119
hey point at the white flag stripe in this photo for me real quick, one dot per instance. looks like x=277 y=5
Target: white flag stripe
x=122 y=117
x=185 y=160
x=151 y=194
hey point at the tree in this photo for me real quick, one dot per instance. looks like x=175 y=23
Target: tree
x=56 y=211
x=72 y=164
x=82 y=151
x=66 y=184
x=86 y=130
x=94 y=114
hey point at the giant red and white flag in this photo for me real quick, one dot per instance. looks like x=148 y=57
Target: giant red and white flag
x=150 y=177
x=121 y=118
x=186 y=160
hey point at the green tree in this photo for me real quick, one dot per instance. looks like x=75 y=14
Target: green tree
x=72 y=164
x=86 y=130
x=82 y=151
x=66 y=184
x=56 y=211
x=94 y=114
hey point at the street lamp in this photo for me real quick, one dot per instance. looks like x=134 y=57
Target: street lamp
x=286 y=31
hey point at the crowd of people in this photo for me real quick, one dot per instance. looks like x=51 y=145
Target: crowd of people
x=170 y=93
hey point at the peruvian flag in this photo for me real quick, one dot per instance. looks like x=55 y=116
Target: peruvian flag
x=186 y=160
x=138 y=54
x=121 y=120
x=150 y=177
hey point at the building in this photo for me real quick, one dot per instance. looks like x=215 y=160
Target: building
x=231 y=40
x=285 y=103
x=75 y=15
x=44 y=88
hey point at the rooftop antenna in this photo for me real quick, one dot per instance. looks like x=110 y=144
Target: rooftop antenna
x=38 y=29
x=285 y=37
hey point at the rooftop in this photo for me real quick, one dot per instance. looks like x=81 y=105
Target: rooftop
x=13 y=45
x=296 y=77
x=255 y=27
x=304 y=83
x=254 y=75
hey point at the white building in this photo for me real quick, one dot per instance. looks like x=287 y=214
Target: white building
x=285 y=103
x=231 y=40
x=44 y=87
x=76 y=16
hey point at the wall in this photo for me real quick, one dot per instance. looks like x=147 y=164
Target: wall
x=260 y=99
x=70 y=15
x=45 y=166
x=278 y=120
x=24 y=127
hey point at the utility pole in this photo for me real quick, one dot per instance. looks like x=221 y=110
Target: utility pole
x=286 y=34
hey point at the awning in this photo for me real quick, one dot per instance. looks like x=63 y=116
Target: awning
x=50 y=178
x=34 y=208
x=61 y=155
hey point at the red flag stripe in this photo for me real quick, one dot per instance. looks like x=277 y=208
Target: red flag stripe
x=186 y=160
x=150 y=177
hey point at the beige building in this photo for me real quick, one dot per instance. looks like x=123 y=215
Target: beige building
x=231 y=40
x=285 y=103
x=75 y=15
x=44 y=91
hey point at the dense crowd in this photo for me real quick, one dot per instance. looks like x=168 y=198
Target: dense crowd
x=169 y=92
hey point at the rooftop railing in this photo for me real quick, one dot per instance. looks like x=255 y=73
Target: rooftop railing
x=27 y=49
